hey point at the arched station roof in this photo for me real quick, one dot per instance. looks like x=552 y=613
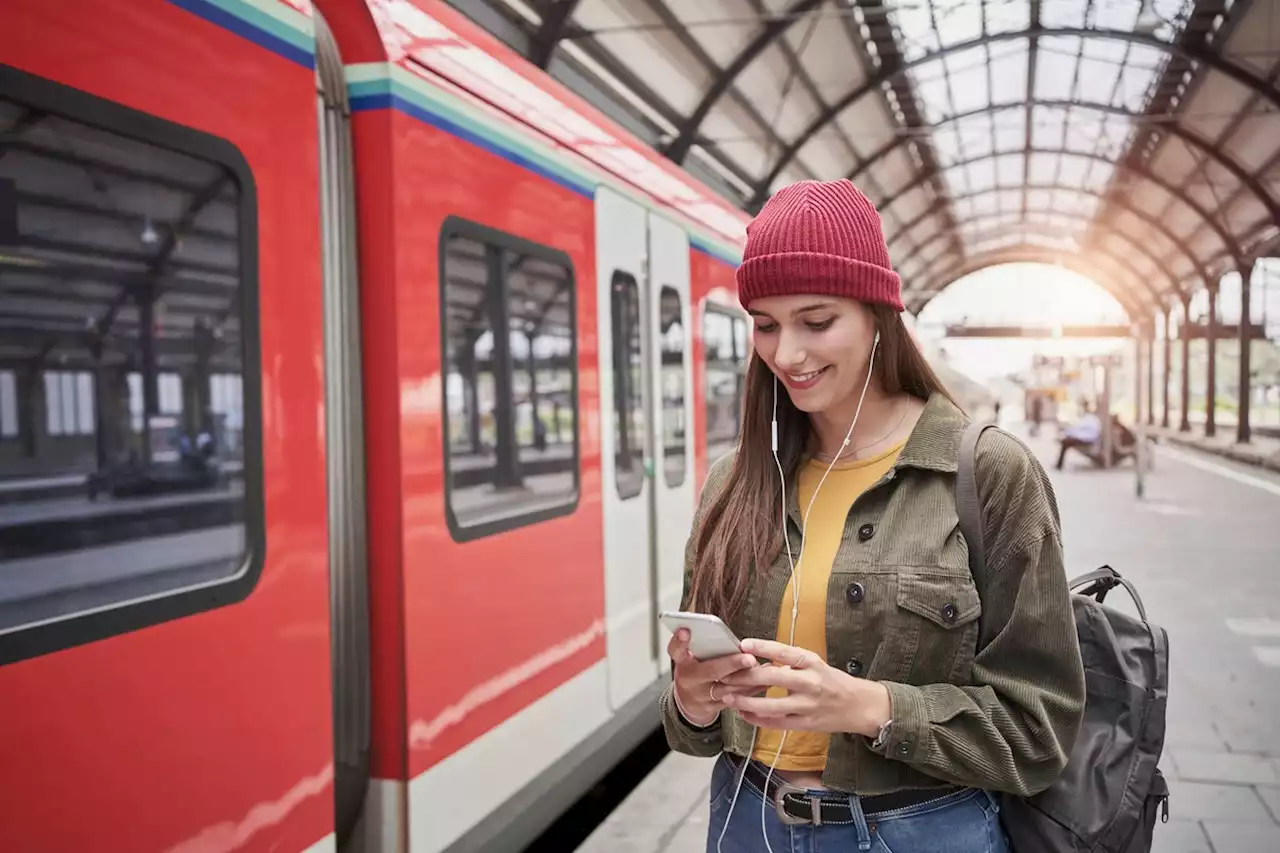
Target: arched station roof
x=1137 y=138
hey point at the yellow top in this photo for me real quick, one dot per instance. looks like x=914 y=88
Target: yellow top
x=807 y=751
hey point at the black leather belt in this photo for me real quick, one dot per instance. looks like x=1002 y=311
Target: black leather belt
x=797 y=805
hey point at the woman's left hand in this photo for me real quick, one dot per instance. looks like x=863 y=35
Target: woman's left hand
x=820 y=698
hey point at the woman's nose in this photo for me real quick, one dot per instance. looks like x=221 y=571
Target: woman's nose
x=790 y=353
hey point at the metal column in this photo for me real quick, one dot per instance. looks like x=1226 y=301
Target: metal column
x=1243 y=432
x=1211 y=369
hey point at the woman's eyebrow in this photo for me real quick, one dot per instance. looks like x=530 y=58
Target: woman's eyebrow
x=815 y=307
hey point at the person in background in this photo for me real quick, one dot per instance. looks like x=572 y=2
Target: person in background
x=1084 y=433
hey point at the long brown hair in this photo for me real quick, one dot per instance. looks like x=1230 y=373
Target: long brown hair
x=741 y=526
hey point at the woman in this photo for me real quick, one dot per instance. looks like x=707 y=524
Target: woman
x=862 y=713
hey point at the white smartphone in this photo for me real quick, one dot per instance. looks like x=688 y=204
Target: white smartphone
x=709 y=637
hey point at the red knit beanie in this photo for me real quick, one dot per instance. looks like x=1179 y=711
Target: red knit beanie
x=818 y=237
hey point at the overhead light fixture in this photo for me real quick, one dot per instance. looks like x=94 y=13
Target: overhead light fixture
x=1148 y=21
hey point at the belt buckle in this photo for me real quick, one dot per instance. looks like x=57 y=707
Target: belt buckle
x=780 y=804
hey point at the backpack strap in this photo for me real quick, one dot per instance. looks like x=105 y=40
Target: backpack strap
x=1101 y=581
x=969 y=510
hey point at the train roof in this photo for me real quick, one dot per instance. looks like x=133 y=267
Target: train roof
x=434 y=41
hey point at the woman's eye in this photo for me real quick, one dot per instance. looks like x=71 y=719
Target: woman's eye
x=766 y=328
x=821 y=325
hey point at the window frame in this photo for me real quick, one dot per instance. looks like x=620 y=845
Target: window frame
x=682 y=319
x=91 y=626
x=711 y=307
x=457 y=226
x=619 y=349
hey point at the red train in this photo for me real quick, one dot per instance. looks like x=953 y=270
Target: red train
x=298 y=549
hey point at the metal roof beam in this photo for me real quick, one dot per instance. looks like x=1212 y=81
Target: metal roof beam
x=1028 y=254
x=1247 y=179
x=673 y=25
x=771 y=32
x=1140 y=171
x=1239 y=74
x=1047 y=230
x=1138 y=213
x=556 y=20
x=880 y=27
x=1033 y=53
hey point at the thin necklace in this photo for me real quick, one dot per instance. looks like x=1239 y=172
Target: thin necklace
x=828 y=457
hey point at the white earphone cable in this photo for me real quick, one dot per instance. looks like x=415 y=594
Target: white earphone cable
x=795 y=584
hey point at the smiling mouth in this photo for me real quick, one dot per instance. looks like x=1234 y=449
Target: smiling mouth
x=801 y=381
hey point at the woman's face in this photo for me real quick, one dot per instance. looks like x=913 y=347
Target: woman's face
x=817 y=346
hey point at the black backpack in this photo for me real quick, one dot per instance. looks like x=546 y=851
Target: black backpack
x=1110 y=792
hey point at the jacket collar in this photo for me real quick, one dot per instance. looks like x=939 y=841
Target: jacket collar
x=934 y=445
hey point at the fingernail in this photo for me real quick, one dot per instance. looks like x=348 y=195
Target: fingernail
x=683 y=634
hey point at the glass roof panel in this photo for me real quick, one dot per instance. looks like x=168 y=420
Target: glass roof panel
x=956 y=21
x=1008 y=72
x=982 y=175
x=914 y=25
x=1010 y=200
x=1096 y=76
x=1006 y=17
x=1073 y=169
x=1009 y=168
x=946 y=144
x=1141 y=66
x=1064 y=13
x=1039 y=198
x=1010 y=128
x=1048 y=125
x=1043 y=170
x=1056 y=58
x=967 y=79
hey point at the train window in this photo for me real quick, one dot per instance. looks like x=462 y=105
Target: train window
x=125 y=500
x=68 y=397
x=628 y=386
x=8 y=405
x=510 y=400
x=724 y=337
x=672 y=335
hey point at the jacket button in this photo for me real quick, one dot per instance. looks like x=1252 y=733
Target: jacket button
x=904 y=747
x=853 y=667
x=866 y=531
x=855 y=593
x=949 y=612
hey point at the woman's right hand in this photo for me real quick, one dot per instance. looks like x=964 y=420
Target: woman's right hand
x=699 y=693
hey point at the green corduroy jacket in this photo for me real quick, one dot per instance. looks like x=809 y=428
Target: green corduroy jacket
x=1003 y=718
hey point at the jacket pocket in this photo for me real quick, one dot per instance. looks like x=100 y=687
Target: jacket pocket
x=940 y=612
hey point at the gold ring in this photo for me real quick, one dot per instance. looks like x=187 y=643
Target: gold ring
x=712 y=690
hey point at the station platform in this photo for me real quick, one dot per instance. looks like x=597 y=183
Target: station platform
x=1201 y=547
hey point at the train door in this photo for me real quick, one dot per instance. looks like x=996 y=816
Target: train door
x=626 y=447
x=672 y=493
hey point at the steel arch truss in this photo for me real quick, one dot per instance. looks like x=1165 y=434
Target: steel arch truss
x=1142 y=172
x=1104 y=276
x=989 y=222
x=1156 y=226
x=1206 y=58
x=1248 y=180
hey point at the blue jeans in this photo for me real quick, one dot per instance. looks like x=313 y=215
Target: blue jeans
x=964 y=821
